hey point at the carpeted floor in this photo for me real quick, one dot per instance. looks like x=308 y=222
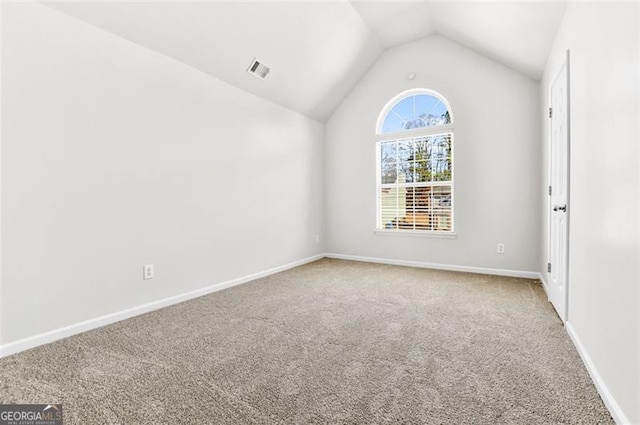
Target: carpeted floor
x=330 y=342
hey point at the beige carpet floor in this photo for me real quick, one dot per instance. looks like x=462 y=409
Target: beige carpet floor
x=326 y=343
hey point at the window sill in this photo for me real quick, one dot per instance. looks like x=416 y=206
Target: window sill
x=418 y=233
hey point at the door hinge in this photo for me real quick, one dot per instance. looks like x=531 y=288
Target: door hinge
x=549 y=190
x=549 y=267
x=550 y=112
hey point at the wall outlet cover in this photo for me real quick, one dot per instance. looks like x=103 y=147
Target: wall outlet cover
x=147 y=271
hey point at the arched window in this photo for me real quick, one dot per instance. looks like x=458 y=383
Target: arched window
x=415 y=164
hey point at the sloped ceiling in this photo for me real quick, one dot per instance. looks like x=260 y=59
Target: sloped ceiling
x=319 y=50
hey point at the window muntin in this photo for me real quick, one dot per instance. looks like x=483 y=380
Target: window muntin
x=415 y=174
x=416 y=111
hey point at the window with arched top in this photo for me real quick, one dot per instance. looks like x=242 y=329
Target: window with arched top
x=415 y=164
x=413 y=111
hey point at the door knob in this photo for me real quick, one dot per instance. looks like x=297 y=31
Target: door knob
x=560 y=208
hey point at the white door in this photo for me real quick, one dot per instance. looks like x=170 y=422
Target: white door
x=559 y=191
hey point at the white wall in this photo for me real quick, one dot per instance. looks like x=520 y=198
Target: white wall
x=497 y=171
x=603 y=205
x=115 y=156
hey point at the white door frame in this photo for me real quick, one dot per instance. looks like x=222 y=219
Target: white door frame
x=1 y=297
x=564 y=68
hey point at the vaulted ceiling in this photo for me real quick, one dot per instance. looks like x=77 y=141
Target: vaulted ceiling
x=319 y=50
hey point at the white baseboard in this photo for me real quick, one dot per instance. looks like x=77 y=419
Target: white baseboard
x=449 y=267
x=614 y=408
x=544 y=284
x=87 y=325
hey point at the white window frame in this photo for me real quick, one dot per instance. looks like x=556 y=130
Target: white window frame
x=410 y=134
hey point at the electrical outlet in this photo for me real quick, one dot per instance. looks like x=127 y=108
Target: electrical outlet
x=147 y=271
x=500 y=249
x=317 y=238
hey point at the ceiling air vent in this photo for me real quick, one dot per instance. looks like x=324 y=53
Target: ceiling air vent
x=258 y=69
